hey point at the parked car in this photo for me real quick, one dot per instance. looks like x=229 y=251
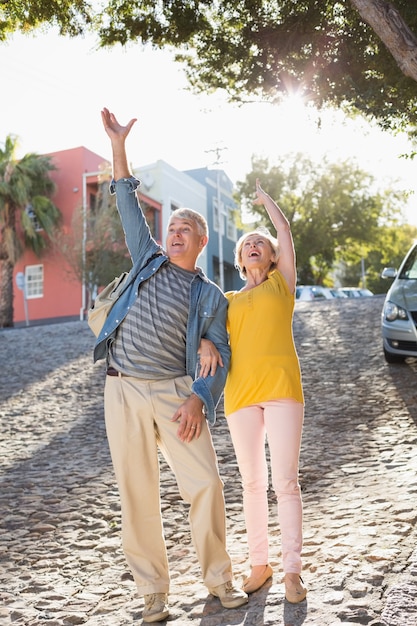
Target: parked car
x=356 y=292
x=399 y=315
x=313 y=292
x=337 y=293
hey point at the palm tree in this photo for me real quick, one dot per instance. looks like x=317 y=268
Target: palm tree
x=27 y=215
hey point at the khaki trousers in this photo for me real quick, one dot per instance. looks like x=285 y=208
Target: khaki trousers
x=138 y=414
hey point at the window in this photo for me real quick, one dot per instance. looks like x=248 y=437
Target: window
x=92 y=202
x=227 y=214
x=34 y=281
x=231 y=227
x=152 y=217
x=216 y=216
x=32 y=216
x=410 y=266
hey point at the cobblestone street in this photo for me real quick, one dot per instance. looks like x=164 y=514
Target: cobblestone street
x=61 y=562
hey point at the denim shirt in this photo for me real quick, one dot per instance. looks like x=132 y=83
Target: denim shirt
x=208 y=305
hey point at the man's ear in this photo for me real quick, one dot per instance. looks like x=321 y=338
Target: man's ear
x=203 y=241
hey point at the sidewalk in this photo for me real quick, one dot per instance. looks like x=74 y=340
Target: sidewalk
x=61 y=561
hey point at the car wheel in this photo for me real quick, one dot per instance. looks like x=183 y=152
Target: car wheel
x=393 y=358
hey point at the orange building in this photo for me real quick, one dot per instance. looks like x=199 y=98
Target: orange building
x=45 y=288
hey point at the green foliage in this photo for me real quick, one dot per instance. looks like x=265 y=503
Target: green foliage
x=41 y=217
x=251 y=48
x=336 y=214
x=26 y=212
x=387 y=250
x=72 y=18
x=27 y=215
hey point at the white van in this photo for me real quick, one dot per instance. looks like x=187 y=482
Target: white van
x=399 y=315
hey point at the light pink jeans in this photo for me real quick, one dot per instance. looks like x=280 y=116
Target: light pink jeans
x=281 y=423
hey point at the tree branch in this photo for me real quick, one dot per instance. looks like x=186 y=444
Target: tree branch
x=390 y=27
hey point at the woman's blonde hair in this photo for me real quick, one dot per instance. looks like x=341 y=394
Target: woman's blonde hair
x=263 y=232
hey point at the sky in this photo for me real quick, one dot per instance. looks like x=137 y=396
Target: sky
x=53 y=90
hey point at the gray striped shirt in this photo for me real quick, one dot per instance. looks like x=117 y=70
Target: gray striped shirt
x=151 y=341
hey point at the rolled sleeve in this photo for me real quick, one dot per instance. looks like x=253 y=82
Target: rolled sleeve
x=210 y=389
x=131 y=184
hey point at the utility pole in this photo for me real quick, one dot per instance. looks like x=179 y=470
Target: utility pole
x=220 y=214
x=363 y=273
x=84 y=240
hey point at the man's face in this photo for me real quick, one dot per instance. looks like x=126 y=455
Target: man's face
x=184 y=242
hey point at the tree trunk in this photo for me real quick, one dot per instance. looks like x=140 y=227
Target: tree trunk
x=390 y=27
x=6 y=294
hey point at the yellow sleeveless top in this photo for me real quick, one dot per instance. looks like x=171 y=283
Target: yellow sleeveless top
x=264 y=363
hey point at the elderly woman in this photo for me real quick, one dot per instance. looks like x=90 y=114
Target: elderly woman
x=264 y=396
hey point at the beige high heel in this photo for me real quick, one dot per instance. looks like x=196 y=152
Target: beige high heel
x=295 y=590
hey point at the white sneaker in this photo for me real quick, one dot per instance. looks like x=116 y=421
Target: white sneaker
x=156 y=607
x=230 y=596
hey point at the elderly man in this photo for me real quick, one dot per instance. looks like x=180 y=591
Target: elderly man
x=160 y=394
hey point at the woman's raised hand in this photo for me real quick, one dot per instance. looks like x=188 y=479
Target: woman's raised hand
x=261 y=195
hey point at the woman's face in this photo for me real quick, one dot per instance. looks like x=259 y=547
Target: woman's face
x=257 y=252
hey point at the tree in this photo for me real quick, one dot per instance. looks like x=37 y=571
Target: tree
x=360 y=54
x=27 y=215
x=106 y=254
x=333 y=208
x=388 y=24
x=388 y=249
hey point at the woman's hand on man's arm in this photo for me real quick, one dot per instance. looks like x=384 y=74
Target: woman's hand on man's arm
x=210 y=358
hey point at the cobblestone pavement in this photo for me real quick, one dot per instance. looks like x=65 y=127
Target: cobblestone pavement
x=61 y=561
